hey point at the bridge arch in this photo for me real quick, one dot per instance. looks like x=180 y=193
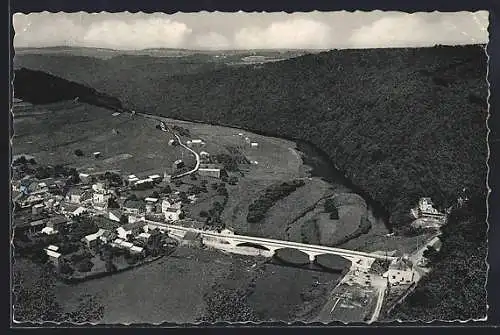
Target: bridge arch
x=253 y=245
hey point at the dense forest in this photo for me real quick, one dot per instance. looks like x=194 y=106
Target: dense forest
x=455 y=289
x=50 y=89
x=401 y=123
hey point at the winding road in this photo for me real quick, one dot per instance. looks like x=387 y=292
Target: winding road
x=196 y=167
x=198 y=160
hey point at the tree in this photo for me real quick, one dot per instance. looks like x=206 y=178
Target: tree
x=155 y=194
x=203 y=214
x=193 y=177
x=85 y=265
x=112 y=203
x=123 y=219
x=32 y=161
x=78 y=152
x=19 y=161
x=166 y=190
x=132 y=196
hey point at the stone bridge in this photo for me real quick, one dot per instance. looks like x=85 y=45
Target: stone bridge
x=250 y=245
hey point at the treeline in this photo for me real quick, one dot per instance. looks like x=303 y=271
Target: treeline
x=38 y=87
x=401 y=123
x=258 y=209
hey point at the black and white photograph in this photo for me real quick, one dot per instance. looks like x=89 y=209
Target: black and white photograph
x=205 y=167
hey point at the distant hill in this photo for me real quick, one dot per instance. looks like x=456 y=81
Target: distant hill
x=38 y=87
x=401 y=123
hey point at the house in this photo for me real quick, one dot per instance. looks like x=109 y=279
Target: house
x=210 y=170
x=167 y=177
x=48 y=231
x=74 y=195
x=126 y=245
x=54 y=257
x=37 y=209
x=97 y=154
x=123 y=233
x=204 y=157
x=151 y=205
x=172 y=214
x=171 y=142
x=143 y=183
x=134 y=249
x=116 y=243
x=115 y=215
x=53 y=247
x=426 y=209
x=144 y=236
x=196 y=142
x=99 y=187
x=133 y=206
x=170 y=203
x=400 y=271
x=79 y=211
x=85 y=178
x=100 y=199
x=254 y=144
x=155 y=178
x=93 y=239
x=56 y=222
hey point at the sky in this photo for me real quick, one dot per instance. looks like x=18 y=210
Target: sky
x=223 y=31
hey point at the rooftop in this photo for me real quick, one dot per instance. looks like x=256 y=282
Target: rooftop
x=58 y=219
x=54 y=254
x=135 y=204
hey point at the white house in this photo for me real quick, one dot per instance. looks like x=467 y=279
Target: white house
x=100 y=199
x=400 y=272
x=122 y=233
x=195 y=142
x=169 y=203
x=74 y=196
x=92 y=239
x=172 y=214
x=210 y=172
x=54 y=257
x=49 y=231
x=254 y=144
x=155 y=177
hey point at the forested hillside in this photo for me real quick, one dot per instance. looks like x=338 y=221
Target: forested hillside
x=455 y=289
x=401 y=123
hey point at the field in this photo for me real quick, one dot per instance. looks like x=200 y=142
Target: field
x=176 y=288
x=53 y=132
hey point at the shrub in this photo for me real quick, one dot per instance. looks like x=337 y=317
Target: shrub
x=78 y=153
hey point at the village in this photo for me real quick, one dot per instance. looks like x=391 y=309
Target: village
x=89 y=223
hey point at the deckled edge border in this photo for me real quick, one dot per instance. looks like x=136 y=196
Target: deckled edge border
x=335 y=324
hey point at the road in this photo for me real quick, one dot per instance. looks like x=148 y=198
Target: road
x=380 y=300
x=196 y=167
x=198 y=160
